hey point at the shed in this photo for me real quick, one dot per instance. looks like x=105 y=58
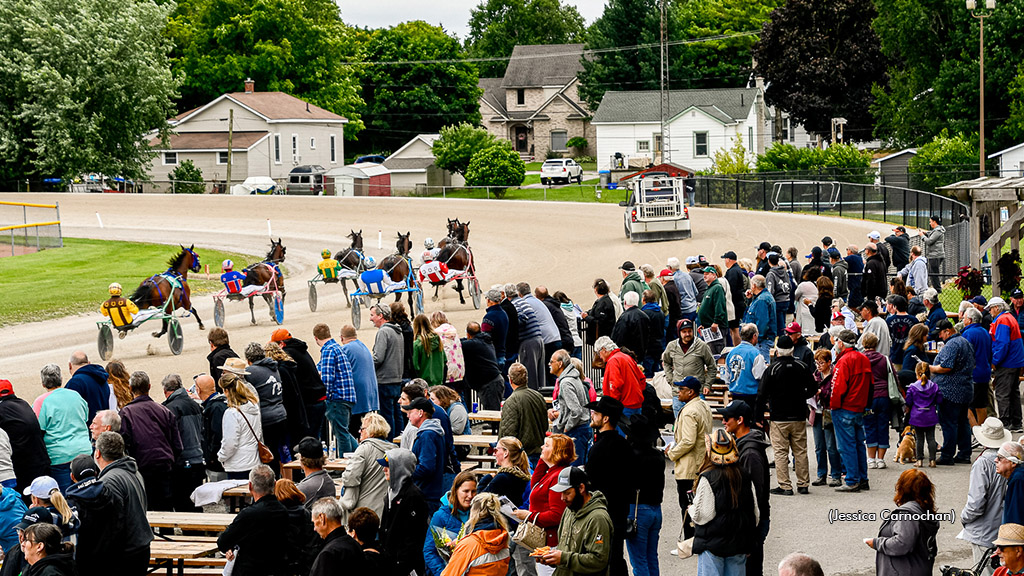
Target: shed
x=670 y=168
x=894 y=169
x=364 y=179
x=1011 y=161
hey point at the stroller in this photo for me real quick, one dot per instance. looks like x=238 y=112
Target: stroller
x=976 y=570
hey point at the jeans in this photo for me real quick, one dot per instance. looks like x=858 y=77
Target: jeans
x=388 y=395
x=924 y=434
x=643 y=548
x=849 y=429
x=825 y=451
x=710 y=565
x=876 y=424
x=682 y=487
x=582 y=436
x=956 y=431
x=780 y=317
x=12 y=483
x=62 y=474
x=158 y=489
x=1006 y=384
x=183 y=482
x=490 y=394
x=525 y=565
x=577 y=353
x=338 y=414
x=751 y=400
x=765 y=348
x=626 y=413
x=755 y=561
x=315 y=417
x=934 y=268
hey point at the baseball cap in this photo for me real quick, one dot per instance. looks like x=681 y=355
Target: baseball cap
x=730 y=255
x=569 y=477
x=689 y=382
x=420 y=404
x=996 y=301
x=692 y=260
x=36 y=515
x=943 y=325
x=766 y=246
x=684 y=323
x=826 y=241
x=41 y=487
x=383 y=461
x=833 y=252
x=1018 y=293
x=309 y=447
x=784 y=342
x=793 y=328
x=815 y=252
x=665 y=272
x=6 y=388
x=980 y=300
x=874 y=235
x=280 y=335
x=83 y=466
x=711 y=270
x=900 y=228
x=848 y=337
x=627 y=266
x=837 y=315
x=735 y=409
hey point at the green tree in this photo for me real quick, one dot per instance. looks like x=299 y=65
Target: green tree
x=81 y=84
x=403 y=100
x=820 y=60
x=457 y=144
x=1013 y=129
x=300 y=47
x=945 y=160
x=188 y=178
x=497 y=26
x=715 y=63
x=839 y=161
x=498 y=166
x=624 y=23
x=731 y=160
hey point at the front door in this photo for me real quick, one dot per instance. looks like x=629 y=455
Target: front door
x=521 y=144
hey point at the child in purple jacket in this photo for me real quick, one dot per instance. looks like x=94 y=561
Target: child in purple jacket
x=923 y=399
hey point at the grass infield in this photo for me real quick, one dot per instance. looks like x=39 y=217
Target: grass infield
x=74 y=279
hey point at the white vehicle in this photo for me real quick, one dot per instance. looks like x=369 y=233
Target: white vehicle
x=656 y=210
x=560 y=169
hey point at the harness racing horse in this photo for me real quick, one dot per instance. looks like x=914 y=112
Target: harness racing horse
x=397 y=266
x=171 y=285
x=261 y=273
x=457 y=231
x=352 y=259
x=456 y=256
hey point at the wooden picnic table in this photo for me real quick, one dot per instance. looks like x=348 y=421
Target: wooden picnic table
x=172 y=554
x=336 y=465
x=475 y=440
x=190 y=520
x=486 y=415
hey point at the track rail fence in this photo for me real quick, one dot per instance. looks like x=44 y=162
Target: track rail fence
x=27 y=227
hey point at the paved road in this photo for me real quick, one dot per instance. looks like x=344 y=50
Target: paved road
x=562 y=245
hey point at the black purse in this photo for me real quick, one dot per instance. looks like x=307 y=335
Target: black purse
x=631 y=529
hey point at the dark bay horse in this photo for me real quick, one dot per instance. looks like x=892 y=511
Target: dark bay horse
x=156 y=290
x=457 y=231
x=260 y=274
x=397 y=265
x=351 y=258
x=456 y=256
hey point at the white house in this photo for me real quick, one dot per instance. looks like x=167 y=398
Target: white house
x=1011 y=160
x=271 y=133
x=413 y=170
x=700 y=122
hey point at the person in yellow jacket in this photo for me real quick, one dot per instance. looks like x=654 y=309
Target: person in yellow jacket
x=687 y=449
x=483 y=551
x=328 y=266
x=118 y=308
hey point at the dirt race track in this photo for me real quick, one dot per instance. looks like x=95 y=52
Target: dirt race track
x=563 y=246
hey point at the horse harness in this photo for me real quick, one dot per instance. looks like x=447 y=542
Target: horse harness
x=173 y=278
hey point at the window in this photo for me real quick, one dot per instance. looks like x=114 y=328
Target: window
x=295 y=147
x=334 y=150
x=170 y=158
x=312 y=143
x=643 y=145
x=559 y=139
x=222 y=157
x=750 y=137
x=657 y=143
x=700 y=144
x=277 y=148
x=520 y=96
x=790 y=131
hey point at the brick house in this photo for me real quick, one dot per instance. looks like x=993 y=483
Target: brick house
x=272 y=133
x=536 y=105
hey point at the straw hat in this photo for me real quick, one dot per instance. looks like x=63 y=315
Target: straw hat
x=991 y=433
x=721 y=447
x=235 y=366
x=1010 y=535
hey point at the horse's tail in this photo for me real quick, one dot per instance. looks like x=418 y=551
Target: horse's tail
x=141 y=295
x=251 y=278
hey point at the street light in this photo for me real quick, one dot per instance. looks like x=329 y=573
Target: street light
x=990 y=5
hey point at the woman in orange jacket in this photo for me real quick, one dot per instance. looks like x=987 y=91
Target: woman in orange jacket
x=484 y=549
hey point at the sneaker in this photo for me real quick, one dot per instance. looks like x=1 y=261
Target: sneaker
x=819 y=482
x=918 y=464
x=960 y=460
x=781 y=492
x=802 y=490
x=864 y=485
x=871 y=463
x=833 y=482
x=931 y=463
x=848 y=488
x=879 y=463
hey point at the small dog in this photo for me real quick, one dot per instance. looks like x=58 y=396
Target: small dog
x=907 y=450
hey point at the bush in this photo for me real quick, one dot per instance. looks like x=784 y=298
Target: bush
x=457 y=144
x=585 y=159
x=841 y=161
x=188 y=179
x=945 y=160
x=731 y=160
x=578 y=142
x=498 y=166
x=551 y=155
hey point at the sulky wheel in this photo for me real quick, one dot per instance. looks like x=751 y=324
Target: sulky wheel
x=218 y=313
x=175 y=339
x=356 y=314
x=105 y=342
x=474 y=292
x=312 y=297
x=278 y=308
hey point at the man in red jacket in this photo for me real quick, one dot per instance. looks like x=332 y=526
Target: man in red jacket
x=623 y=379
x=851 y=390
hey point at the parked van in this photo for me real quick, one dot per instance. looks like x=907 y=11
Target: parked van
x=309 y=180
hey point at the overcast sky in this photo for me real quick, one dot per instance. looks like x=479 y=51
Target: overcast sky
x=453 y=15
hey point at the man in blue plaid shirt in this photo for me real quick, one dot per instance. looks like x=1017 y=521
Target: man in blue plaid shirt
x=336 y=373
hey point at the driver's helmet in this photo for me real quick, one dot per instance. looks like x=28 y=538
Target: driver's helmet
x=369 y=262
x=227 y=265
x=325 y=253
x=114 y=289
x=428 y=243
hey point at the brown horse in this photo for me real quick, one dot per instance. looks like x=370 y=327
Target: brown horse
x=397 y=266
x=456 y=256
x=156 y=290
x=457 y=232
x=351 y=258
x=259 y=274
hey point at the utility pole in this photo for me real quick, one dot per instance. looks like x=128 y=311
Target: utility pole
x=666 y=137
x=990 y=5
x=231 y=129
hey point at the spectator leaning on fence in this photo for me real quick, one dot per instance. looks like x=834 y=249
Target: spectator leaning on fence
x=935 y=250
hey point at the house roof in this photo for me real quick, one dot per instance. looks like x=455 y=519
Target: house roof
x=271 y=106
x=671 y=168
x=1010 y=149
x=895 y=155
x=427 y=139
x=361 y=170
x=212 y=141
x=543 y=65
x=408 y=164
x=727 y=105
x=494 y=94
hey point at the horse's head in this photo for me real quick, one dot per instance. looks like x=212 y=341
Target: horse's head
x=277 y=250
x=357 y=239
x=453 y=227
x=193 y=262
x=404 y=244
x=464 y=232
